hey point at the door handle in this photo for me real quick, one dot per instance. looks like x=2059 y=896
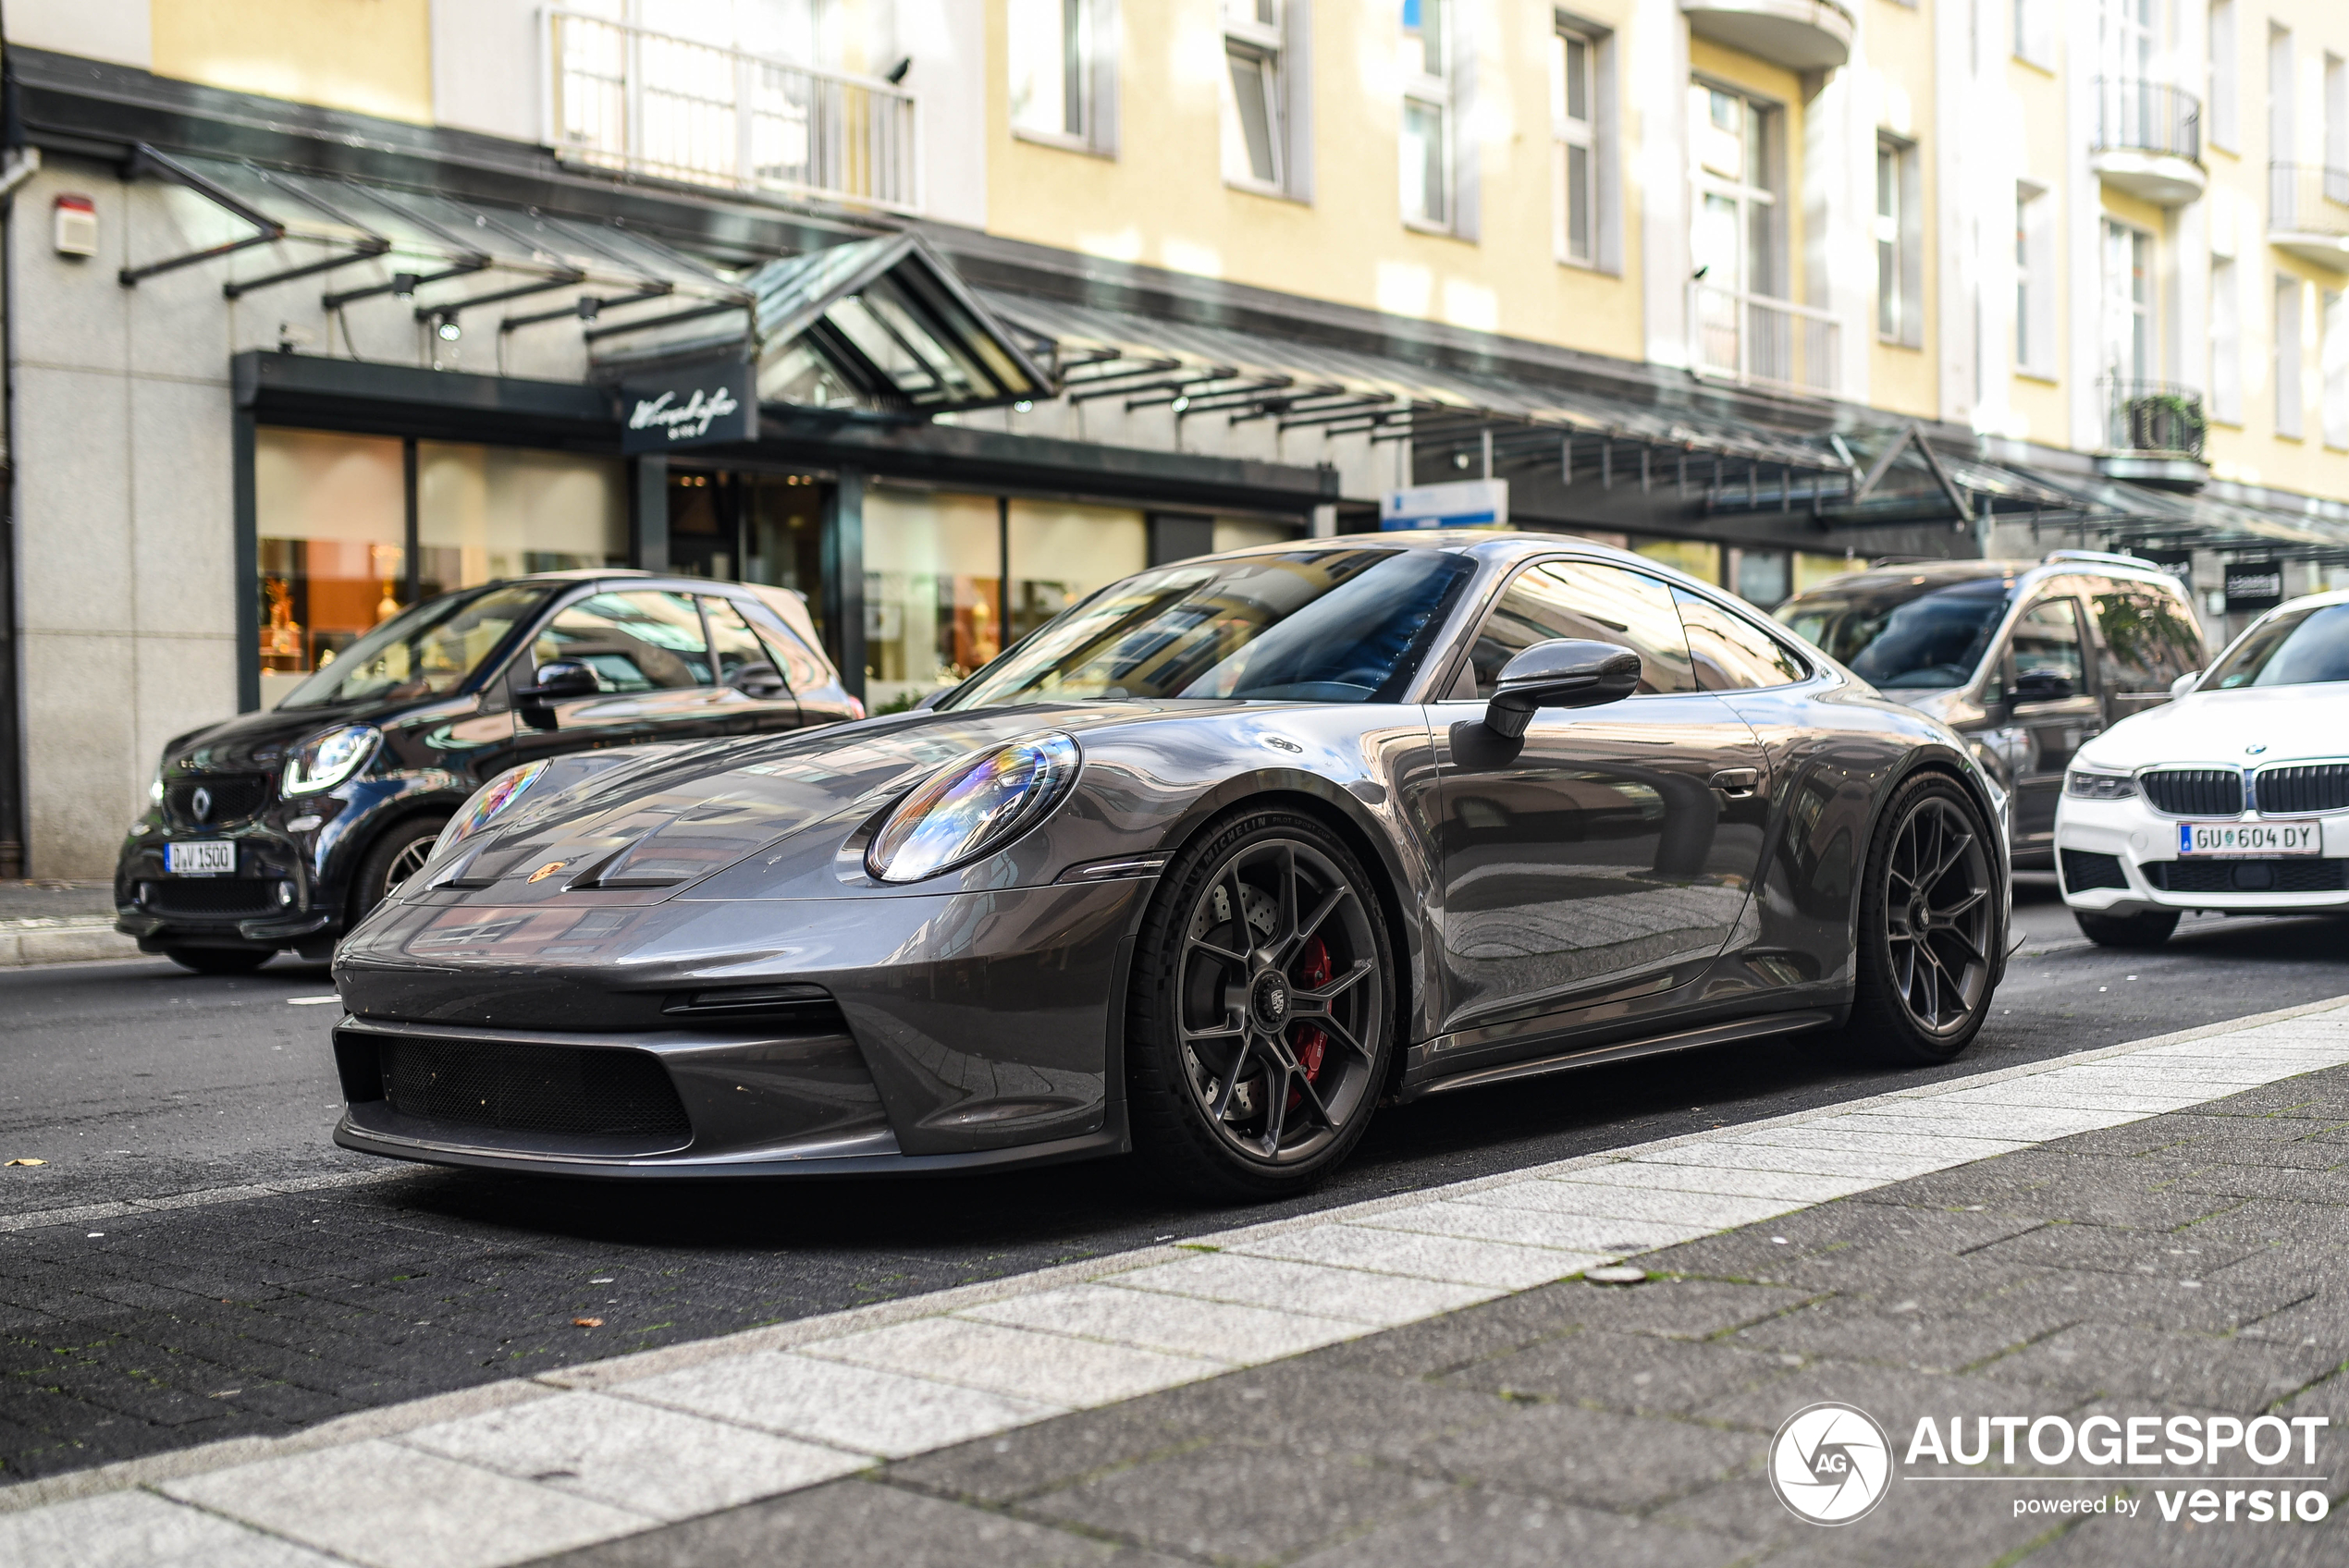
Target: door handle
x=1737 y=782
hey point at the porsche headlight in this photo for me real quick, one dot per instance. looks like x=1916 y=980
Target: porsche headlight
x=488 y=802
x=971 y=808
x=325 y=760
x=2084 y=784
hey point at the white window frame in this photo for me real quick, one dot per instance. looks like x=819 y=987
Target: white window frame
x=2035 y=32
x=2127 y=256
x=2291 y=396
x=1089 y=84
x=1769 y=118
x=1568 y=135
x=2224 y=121
x=1899 y=243
x=1432 y=93
x=2226 y=340
x=2036 y=286
x=1272 y=35
x=2333 y=353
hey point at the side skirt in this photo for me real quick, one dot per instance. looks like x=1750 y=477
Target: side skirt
x=1655 y=1045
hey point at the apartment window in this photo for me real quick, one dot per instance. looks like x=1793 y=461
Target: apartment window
x=1899 y=234
x=2224 y=96
x=2282 y=146
x=2334 y=352
x=1064 y=71
x=2128 y=303
x=2226 y=341
x=2336 y=126
x=1574 y=100
x=1427 y=114
x=2288 y=390
x=1264 y=119
x=2034 y=285
x=2035 y=31
x=1735 y=239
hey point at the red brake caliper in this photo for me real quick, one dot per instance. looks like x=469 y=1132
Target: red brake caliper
x=1311 y=1040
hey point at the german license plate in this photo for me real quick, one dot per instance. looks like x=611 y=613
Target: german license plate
x=2250 y=838
x=203 y=857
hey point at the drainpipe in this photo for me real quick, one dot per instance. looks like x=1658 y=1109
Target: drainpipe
x=21 y=164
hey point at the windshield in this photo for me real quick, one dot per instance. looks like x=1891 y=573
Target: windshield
x=426 y=651
x=1324 y=626
x=2297 y=648
x=1904 y=634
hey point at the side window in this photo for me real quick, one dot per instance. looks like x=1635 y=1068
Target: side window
x=641 y=641
x=2046 y=653
x=802 y=669
x=733 y=640
x=2177 y=633
x=2149 y=639
x=1599 y=604
x=1730 y=655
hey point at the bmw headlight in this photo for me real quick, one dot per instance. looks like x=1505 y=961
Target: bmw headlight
x=971 y=808
x=488 y=802
x=325 y=760
x=2084 y=784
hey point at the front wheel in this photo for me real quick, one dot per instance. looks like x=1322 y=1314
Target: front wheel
x=391 y=860
x=1929 y=927
x=2148 y=930
x=1260 y=1016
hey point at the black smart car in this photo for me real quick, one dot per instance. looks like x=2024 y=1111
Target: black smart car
x=280 y=829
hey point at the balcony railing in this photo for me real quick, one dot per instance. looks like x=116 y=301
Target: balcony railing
x=1764 y=342
x=2148 y=116
x=2154 y=417
x=653 y=104
x=2307 y=199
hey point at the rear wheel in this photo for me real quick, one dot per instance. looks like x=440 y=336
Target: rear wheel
x=2148 y=930
x=1929 y=927
x=1262 y=1010
x=391 y=860
x=220 y=961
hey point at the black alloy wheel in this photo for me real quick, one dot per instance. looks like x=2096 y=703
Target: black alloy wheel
x=1258 y=1035
x=1931 y=924
x=2149 y=929
x=220 y=961
x=391 y=860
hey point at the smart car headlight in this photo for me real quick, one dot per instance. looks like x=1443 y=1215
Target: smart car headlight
x=2086 y=784
x=326 y=759
x=971 y=808
x=491 y=800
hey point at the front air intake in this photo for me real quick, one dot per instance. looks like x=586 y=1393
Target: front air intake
x=2084 y=869
x=611 y=1092
x=2277 y=874
x=2194 y=792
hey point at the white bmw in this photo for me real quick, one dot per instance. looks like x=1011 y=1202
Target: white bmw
x=2234 y=797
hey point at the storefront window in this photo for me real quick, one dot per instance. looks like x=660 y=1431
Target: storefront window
x=932 y=575
x=1240 y=532
x=1698 y=557
x=331 y=516
x=485 y=512
x=1060 y=553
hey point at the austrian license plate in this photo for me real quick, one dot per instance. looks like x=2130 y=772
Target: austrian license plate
x=2250 y=838
x=206 y=857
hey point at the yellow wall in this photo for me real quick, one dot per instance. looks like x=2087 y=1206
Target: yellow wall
x=373 y=56
x=1163 y=199
x=2041 y=400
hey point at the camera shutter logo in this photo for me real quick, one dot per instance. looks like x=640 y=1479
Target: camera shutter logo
x=1830 y=1464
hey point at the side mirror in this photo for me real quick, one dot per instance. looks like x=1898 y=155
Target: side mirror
x=558 y=680
x=762 y=680
x=2185 y=684
x=1562 y=673
x=2042 y=686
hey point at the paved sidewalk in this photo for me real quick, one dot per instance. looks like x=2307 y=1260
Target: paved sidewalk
x=2060 y=1241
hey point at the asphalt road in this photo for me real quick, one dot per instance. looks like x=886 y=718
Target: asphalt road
x=134 y=1081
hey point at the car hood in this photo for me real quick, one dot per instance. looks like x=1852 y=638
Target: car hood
x=674 y=819
x=2249 y=729
x=259 y=741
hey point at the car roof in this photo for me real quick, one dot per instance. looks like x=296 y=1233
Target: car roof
x=2060 y=564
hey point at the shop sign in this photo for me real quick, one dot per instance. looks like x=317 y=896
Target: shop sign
x=2177 y=563
x=2254 y=587
x=1467 y=503
x=699 y=404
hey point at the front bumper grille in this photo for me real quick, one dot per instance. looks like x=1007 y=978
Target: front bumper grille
x=614 y=1092
x=226 y=898
x=2290 y=873
x=2083 y=869
x=2194 y=792
x=231 y=797
x=2304 y=790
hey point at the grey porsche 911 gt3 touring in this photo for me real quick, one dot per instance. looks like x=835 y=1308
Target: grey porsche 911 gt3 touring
x=1210 y=867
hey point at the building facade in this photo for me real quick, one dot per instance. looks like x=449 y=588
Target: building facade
x=314 y=307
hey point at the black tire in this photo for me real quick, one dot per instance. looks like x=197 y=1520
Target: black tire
x=1930 y=930
x=2148 y=930
x=220 y=961
x=399 y=854
x=1231 y=1041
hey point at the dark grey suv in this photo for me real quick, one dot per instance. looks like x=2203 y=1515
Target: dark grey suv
x=280 y=829
x=2026 y=659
